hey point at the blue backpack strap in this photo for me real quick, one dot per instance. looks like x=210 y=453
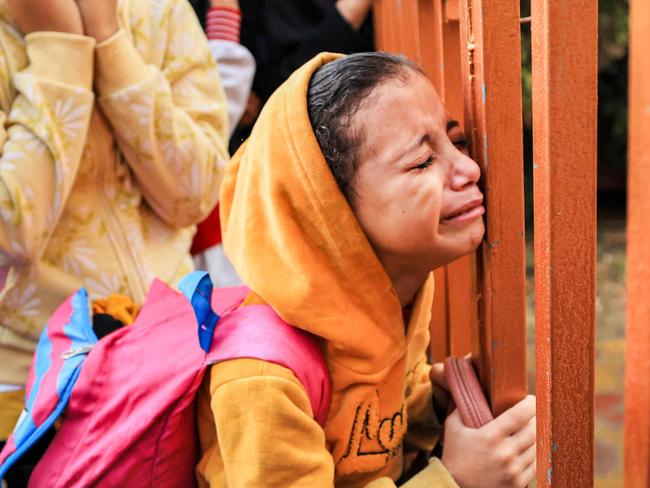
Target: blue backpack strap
x=62 y=348
x=197 y=287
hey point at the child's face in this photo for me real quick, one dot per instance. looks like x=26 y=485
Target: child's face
x=417 y=198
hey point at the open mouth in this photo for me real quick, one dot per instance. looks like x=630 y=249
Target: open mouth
x=465 y=213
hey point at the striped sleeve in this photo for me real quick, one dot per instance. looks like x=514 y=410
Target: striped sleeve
x=223 y=23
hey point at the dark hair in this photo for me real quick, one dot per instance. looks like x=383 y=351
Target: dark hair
x=336 y=92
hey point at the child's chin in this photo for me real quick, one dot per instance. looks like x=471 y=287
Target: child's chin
x=475 y=236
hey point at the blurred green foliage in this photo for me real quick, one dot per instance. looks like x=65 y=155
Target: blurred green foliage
x=612 y=95
x=612 y=80
x=612 y=83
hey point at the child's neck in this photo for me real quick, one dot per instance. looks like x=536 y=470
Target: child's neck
x=406 y=279
x=407 y=287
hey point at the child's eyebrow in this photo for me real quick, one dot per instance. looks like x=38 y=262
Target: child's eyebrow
x=452 y=124
x=415 y=144
x=427 y=138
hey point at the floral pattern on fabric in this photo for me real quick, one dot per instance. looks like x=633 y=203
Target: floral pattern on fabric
x=102 y=187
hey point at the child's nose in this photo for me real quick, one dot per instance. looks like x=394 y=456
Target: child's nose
x=465 y=172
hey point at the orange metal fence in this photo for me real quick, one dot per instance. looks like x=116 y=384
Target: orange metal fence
x=480 y=300
x=470 y=49
x=565 y=91
x=637 y=384
x=432 y=39
x=494 y=123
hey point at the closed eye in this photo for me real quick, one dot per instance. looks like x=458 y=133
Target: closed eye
x=461 y=143
x=425 y=164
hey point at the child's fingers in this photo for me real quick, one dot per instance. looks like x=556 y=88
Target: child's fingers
x=515 y=418
x=437 y=375
x=529 y=473
x=454 y=423
x=525 y=437
x=453 y=419
x=528 y=456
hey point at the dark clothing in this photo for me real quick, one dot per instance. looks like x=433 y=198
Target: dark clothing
x=201 y=8
x=283 y=35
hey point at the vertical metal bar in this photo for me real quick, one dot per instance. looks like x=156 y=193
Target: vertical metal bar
x=565 y=92
x=430 y=57
x=490 y=44
x=378 y=25
x=440 y=347
x=407 y=20
x=452 y=10
x=637 y=355
x=461 y=274
x=455 y=306
x=431 y=42
x=453 y=76
x=462 y=305
x=384 y=25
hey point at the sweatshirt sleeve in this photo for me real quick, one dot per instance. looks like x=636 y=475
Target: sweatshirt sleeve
x=435 y=475
x=171 y=122
x=46 y=109
x=267 y=436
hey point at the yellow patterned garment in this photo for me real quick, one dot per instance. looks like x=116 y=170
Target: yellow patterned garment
x=110 y=154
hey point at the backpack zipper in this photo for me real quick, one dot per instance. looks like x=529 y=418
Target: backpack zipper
x=77 y=351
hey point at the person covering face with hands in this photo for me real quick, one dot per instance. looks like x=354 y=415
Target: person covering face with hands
x=114 y=135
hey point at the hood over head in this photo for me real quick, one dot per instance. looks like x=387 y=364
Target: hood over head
x=295 y=241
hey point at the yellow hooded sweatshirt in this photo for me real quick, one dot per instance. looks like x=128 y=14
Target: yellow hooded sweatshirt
x=296 y=243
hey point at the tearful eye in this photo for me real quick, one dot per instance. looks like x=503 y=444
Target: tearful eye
x=461 y=143
x=425 y=164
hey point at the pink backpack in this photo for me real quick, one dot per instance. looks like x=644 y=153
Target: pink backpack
x=127 y=401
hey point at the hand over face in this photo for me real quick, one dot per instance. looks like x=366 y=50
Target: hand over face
x=49 y=15
x=99 y=18
x=499 y=454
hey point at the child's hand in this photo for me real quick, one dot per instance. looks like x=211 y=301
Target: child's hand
x=354 y=11
x=51 y=15
x=99 y=18
x=234 y=4
x=499 y=454
x=440 y=390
